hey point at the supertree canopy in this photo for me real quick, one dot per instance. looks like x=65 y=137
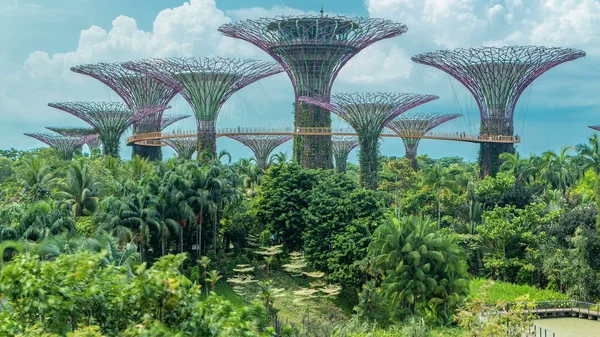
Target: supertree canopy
x=411 y=126
x=75 y=131
x=368 y=114
x=109 y=119
x=139 y=93
x=184 y=147
x=313 y=49
x=342 y=146
x=262 y=146
x=65 y=146
x=497 y=76
x=205 y=83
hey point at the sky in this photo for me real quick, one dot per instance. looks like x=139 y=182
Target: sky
x=42 y=39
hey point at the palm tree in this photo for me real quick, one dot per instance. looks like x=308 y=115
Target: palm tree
x=438 y=179
x=35 y=175
x=523 y=170
x=140 y=215
x=278 y=158
x=80 y=189
x=589 y=159
x=108 y=218
x=557 y=169
x=139 y=169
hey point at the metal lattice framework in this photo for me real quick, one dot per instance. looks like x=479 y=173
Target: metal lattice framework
x=497 y=76
x=184 y=147
x=417 y=124
x=368 y=114
x=206 y=84
x=139 y=92
x=109 y=119
x=262 y=146
x=93 y=143
x=342 y=146
x=313 y=49
x=66 y=146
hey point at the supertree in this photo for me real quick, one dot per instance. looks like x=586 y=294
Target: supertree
x=139 y=93
x=313 y=49
x=368 y=114
x=594 y=127
x=93 y=143
x=413 y=125
x=342 y=146
x=65 y=146
x=497 y=76
x=109 y=119
x=184 y=147
x=205 y=83
x=262 y=146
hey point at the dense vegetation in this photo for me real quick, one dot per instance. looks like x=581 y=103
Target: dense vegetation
x=102 y=247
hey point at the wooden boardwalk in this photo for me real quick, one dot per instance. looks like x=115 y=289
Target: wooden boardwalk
x=154 y=138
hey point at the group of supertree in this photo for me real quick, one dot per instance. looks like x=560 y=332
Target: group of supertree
x=311 y=50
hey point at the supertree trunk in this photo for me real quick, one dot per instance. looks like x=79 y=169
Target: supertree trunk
x=312 y=151
x=153 y=153
x=489 y=153
x=368 y=158
x=110 y=146
x=207 y=139
x=412 y=155
x=340 y=164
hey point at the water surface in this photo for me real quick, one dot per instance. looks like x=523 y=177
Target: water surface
x=570 y=327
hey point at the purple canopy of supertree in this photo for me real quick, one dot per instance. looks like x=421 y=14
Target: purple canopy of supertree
x=65 y=146
x=594 y=127
x=109 y=119
x=138 y=92
x=165 y=122
x=262 y=146
x=413 y=125
x=368 y=114
x=313 y=49
x=342 y=146
x=206 y=84
x=184 y=147
x=93 y=143
x=496 y=77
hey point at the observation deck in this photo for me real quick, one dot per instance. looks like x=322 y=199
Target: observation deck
x=155 y=138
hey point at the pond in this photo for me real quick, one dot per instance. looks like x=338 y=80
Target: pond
x=570 y=327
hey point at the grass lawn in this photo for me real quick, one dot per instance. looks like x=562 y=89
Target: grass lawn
x=497 y=291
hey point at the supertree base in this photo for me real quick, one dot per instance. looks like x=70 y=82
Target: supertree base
x=152 y=153
x=489 y=157
x=312 y=151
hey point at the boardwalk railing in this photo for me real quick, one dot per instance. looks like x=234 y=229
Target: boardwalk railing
x=317 y=131
x=558 y=308
x=539 y=331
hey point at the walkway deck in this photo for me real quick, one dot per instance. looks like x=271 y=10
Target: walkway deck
x=154 y=138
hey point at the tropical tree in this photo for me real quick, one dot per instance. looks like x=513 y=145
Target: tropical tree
x=557 y=169
x=79 y=191
x=423 y=270
x=438 y=179
x=589 y=159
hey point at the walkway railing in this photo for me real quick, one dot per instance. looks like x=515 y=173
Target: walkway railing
x=539 y=331
x=317 y=131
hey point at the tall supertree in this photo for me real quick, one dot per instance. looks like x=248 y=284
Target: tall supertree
x=93 y=143
x=411 y=126
x=342 y=146
x=497 y=76
x=368 y=114
x=594 y=127
x=109 y=119
x=66 y=146
x=184 y=147
x=262 y=146
x=139 y=93
x=313 y=49
x=205 y=83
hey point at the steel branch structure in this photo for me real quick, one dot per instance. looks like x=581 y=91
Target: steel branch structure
x=139 y=93
x=313 y=49
x=109 y=119
x=184 y=147
x=497 y=76
x=413 y=124
x=93 y=143
x=262 y=146
x=368 y=114
x=594 y=127
x=205 y=83
x=65 y=146
x=342 y=146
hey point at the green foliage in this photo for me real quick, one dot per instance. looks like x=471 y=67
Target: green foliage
x=489 y=292
x=423 y=270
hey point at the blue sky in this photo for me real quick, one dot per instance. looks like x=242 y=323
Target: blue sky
x=43 y=39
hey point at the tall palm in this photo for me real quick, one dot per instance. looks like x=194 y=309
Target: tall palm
x=589 y=158
x=438 y=179
x=558 y=169
x=139 y=169
x=108 y=218
x=139 y=214
x=36 y=176
x=80 y=189
x=278 y=158
x=523 y=170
